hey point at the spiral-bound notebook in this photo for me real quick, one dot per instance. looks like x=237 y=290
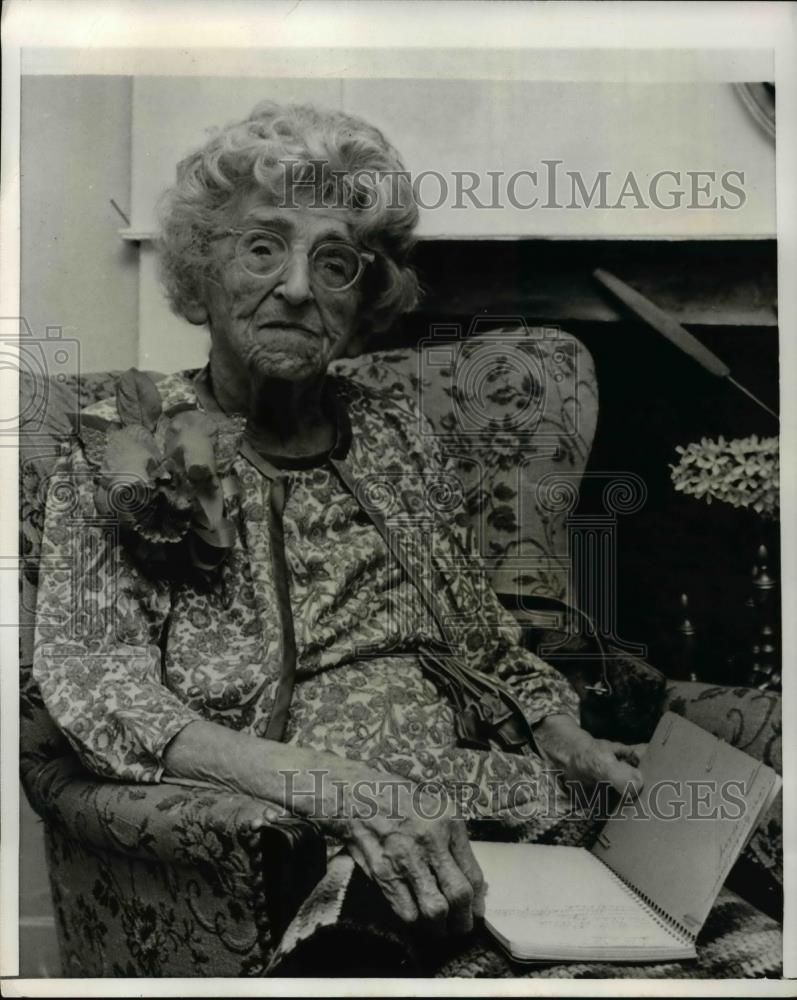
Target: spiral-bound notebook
x=644 y=890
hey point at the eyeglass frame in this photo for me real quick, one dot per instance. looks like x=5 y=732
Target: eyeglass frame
x=365 y=257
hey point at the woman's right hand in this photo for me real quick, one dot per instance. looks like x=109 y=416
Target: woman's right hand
x=425 y=867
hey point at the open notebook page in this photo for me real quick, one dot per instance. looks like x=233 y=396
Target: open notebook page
x=547 y=902
x=681 y=862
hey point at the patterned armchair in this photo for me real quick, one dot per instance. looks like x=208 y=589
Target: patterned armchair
x=175 y=880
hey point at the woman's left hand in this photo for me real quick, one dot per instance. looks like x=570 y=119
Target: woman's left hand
x=582 y=758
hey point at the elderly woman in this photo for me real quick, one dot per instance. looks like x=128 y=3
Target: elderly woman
x=300 y=655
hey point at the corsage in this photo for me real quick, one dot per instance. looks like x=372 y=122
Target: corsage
x=160 y=475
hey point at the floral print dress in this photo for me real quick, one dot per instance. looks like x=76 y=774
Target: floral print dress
x=125 y=661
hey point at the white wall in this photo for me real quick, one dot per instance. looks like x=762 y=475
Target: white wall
x=448 y=125
x=76 y=271
x=88 y=139
x=481 y=125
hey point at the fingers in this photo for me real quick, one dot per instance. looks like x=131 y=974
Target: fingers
x=432 y=903
x=463 y=854
x=458 y=893
x=420 y=877
x=622 y=776
x=625 y=778
x=632 y=753
x=459 y=887
x=599 y=762
x=371 y=859
x=443 y=892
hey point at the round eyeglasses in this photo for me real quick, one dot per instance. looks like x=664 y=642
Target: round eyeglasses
x=334 y=264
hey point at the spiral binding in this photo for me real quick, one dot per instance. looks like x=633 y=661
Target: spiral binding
x=670 y=924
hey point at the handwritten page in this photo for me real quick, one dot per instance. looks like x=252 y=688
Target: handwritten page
x=701 y=800
x=559 y=902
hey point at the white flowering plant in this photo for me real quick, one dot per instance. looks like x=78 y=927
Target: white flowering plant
x=743 y=472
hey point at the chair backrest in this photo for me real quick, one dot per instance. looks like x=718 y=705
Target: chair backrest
x=515 y=410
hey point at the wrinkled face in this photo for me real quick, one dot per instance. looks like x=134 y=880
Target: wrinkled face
x=285 y=326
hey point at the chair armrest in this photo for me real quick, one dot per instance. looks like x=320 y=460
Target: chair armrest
x=241 y=844
x=745 y=717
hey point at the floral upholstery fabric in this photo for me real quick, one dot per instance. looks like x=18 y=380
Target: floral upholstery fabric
x=155 y=884
x=151 y=880
x=515 y=411
x=120 y=691
x=133 y=917
x=133 y=868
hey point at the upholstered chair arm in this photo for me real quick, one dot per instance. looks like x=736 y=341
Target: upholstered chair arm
x=242 y=845
x=744 y=717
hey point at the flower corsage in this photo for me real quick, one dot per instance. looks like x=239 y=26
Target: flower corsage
x=160 y=475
